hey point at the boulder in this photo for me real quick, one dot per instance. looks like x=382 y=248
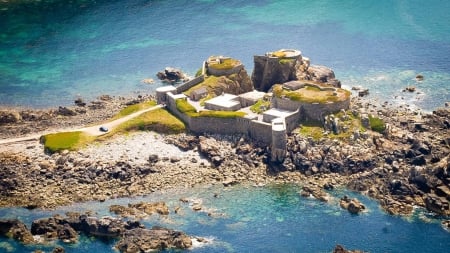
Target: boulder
x=54 y=228
x=323 y=74
x=171 y=74
x=151 y=208
x=341 y=249
x=17 y=230
x=157 y=238
x=9 y=116
x=352 y=205
x=64 y=111
x=437 y=204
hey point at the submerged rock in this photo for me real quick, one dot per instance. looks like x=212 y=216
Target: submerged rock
x=341 y=249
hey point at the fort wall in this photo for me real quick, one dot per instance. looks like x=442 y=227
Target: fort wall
x=225 y=72
x=313 y=111
x=187 y=85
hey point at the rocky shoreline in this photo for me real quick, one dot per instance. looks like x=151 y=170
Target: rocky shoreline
x=404 y=168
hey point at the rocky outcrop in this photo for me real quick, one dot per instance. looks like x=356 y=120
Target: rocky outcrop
x=9 y=116
x=17 y=230
x=341 y=249
x=134 y=237
x=320 y=74
x=273 y=70
x=352 y=205
x=269 y=70
x=233 y=84
x=140 y=209
x=315 y=191
x=157 y=238
x=171 y=75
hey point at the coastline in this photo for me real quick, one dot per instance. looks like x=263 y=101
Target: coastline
x=152 y=162
x=399 y=169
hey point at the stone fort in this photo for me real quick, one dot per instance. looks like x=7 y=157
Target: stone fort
x=273 y=124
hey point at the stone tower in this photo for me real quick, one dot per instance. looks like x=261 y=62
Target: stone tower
x=279 y=140
x=275 y=68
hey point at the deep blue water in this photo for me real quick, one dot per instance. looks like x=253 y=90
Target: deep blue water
x=267 y=219
x=52 y=51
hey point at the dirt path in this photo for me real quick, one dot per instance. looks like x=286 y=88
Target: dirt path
x=92 y=130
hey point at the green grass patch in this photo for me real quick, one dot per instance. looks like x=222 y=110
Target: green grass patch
x=221 y=114
x=225 y=64
x=57 y=142
x=286 y=61
x=311 y=129
x=377 y=124
x=159 y=120
x=199 y=72
x=311 y=94
x=260 y=105
x=184 y=106
x=134 y=108
x=279 y=54
x=209 y=83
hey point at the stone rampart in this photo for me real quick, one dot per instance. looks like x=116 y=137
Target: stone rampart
x=187 y=85
x=292 y=121
x=225 y=72
x=260 y=131
x=313 y=111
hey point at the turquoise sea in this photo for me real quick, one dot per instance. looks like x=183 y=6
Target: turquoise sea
x=273 y=218
x=53 y=51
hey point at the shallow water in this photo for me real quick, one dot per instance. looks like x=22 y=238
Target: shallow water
x=54 y=51
x=273 y=218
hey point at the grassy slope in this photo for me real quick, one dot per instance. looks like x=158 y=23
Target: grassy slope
x=159 y=120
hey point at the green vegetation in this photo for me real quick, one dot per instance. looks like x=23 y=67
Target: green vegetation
x=260 y=105
x=64 y=141
x=279 y=54
x=377 y=124
x=134 y=108
x=286 y=61
x=199 y=72
x=221 y=114
x=311 y=94
x=347 y=120
x=159 y=120
x=184 y=106
x=311 y=129
x=209 y=83
x=224 y=64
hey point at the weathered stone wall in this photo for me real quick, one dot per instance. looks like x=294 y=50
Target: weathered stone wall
x=187 y=85
x=250 y=127
x=314 y=111
x=260 y=131
x=225 y=72
x=292 y=121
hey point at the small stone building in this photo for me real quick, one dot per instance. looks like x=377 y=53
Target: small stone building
x=198 y=94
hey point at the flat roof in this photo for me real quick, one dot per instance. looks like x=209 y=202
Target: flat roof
x=177 y=96
x=166 y=88
x=224 y=100
x=278 y=113
x=253 y=95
